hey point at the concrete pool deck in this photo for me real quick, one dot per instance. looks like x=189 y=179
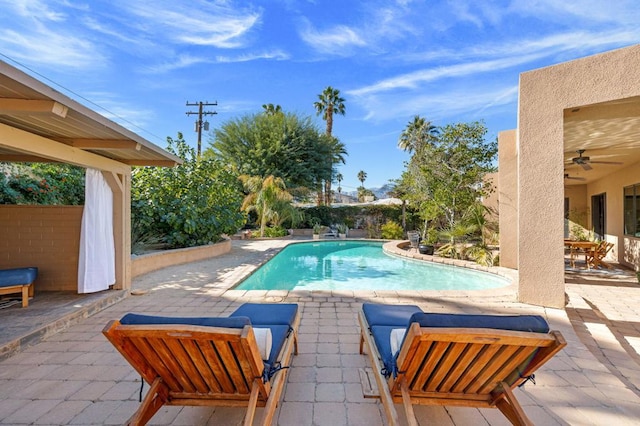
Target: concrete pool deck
x=76 y=377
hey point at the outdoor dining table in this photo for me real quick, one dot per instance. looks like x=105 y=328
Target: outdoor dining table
x=577 y=248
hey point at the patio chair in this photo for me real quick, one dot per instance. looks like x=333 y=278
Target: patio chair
x=331 y=232
x=452 y=359
x=593 y=257
x=239 y=361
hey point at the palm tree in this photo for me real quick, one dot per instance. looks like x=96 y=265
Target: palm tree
x=329 y=103
x=267 y=197
x=339 y=178
x=338 y=151
x=271 y=109
x=417 y=133
x=362 y=176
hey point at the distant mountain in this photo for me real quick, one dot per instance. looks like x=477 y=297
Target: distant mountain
x=382 y=192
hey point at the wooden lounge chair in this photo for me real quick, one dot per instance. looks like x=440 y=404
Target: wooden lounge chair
x=210 y=361
x=460 y=360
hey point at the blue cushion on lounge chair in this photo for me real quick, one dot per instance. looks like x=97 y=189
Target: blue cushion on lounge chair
x=381 y=337
x=268 y=313
x=533 y=323
x=395 y=315
x=137 y=319
x=279 y=335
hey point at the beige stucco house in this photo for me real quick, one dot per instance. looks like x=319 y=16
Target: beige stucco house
x=39 y=124
x=587 y=108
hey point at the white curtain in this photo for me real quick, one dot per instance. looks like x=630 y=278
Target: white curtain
x=96 y=266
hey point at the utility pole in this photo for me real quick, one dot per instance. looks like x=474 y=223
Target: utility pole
x=200 y=124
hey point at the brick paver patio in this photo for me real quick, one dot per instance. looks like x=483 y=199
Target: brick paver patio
x=76 y=377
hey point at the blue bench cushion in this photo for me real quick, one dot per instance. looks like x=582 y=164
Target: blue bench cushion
x=137 y=319
x=393 y=315
x=18 y=276
x=268 y=313
x=534 y=323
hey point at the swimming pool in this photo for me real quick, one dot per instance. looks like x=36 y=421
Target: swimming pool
x=360 y=265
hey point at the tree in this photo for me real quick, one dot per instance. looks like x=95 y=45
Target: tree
x=337 y=153
x=284 y=145
x=268 y=197
x=329 y=103
x=417 y=134
x=271 y=109
x=446 y=175
x=188 y=205
x=339 y=178
x=362 y=176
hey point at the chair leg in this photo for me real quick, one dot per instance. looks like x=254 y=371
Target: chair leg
x=511 y=408
x=152 y=402
x=406 y=402
x=253 y=401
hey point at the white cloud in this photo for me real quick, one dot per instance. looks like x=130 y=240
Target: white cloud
x=277 y=55
x=413 y=79
x=51 y=48
x=474 y=102
x=336 y=40
x=33 y=9
x=198 y=22
x=496 y=57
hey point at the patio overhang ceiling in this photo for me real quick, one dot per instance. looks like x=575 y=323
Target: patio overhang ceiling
x=609 y=134
x=31 y=107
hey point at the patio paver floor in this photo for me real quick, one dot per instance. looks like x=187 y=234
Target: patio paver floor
x=76 y=377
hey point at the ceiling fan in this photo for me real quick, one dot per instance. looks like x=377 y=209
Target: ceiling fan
x=585 y=162
x=566 y=176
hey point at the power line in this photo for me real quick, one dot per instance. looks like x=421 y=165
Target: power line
x=200 y=124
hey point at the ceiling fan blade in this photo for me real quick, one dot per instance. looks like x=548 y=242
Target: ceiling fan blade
x=607 y=162
x=585 y=166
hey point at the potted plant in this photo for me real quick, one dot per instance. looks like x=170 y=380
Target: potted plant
x=316 y=231
x=427 y=244
x=342 y=230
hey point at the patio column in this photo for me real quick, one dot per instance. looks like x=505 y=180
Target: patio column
x=540 y=195
x=120 y=184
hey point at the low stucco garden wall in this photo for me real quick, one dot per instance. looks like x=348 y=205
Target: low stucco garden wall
x=145 y=263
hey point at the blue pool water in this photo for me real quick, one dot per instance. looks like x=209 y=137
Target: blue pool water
x=359 y=265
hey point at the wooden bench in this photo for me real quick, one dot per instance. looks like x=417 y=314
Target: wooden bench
x=18 y=280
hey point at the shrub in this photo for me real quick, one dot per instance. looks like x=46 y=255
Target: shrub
x=190 y=204
x=392 y=230
x=275 y=231
x=45 y=184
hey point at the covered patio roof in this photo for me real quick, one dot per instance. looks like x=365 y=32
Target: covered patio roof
x=609 y=134
x=31 y=106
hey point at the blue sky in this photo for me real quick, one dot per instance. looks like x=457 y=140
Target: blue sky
x=138 y=61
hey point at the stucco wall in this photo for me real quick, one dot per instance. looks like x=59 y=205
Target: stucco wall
x=43 y=236
x=544 y=96
x=153 y=261
x=612 y=185
x=508 y=198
